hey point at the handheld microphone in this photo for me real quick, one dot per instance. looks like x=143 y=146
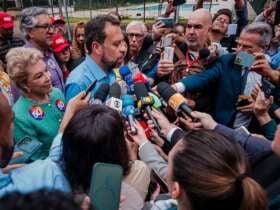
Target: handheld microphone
x=114 y=101
x=141 y=78
x=175 y=100
x=206 y=57
x=101 y=94
x=129 y=111
x=145 y=102
x=127 y=77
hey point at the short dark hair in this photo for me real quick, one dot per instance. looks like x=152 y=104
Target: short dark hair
x=213 y=173
x=94 y=30
x=226 y=12
x=39 y=200
x=94 y=134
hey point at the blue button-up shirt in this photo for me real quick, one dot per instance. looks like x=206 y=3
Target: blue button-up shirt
x=53 y=67
x=84 y=75
x=40 y=174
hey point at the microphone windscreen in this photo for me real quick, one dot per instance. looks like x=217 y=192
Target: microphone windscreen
x=115 y=90
x=127 y=100
x=204 y=53
x=165 y=90
x=140 y=90
x=139 y=78
x=124 y=70
x=102 y=92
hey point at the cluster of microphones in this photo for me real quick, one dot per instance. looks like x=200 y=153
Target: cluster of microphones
x=136 y=99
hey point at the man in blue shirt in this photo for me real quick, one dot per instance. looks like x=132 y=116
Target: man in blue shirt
x=106 y=49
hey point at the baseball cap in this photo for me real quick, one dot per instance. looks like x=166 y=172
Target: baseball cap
x=57 y=19
x=59 y=43
x=6 y=20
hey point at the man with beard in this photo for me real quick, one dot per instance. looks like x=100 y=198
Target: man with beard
x=105 y=45
x=7 y=41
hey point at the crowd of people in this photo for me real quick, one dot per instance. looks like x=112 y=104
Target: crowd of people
x=189 y=112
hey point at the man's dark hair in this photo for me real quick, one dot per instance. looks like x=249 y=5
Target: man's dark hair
x=226 y=12
x=39 y=200
x=94 y=30
x=94 y=134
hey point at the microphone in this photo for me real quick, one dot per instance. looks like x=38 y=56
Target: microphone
x=129 y=111
x=141 y=78
x=127 y=77
x=175 y=100
x=206 y=56
x=101 y=94
x=145 y=102
x=114 y=101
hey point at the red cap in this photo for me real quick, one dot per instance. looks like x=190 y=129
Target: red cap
x=6 y=20
x=57 y=19
x=59 y=43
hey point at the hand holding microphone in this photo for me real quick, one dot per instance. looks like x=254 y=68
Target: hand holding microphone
x=129 y=112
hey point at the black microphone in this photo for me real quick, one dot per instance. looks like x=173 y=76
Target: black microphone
x=204 y=53
x=145 y=101
x=114 y=101
x=175 y=100
x=101 y=94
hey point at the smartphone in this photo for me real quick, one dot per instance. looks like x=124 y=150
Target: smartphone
x=28 y=147
x=243 y=101
x=178 y=2
x=105 y=187
x=168 y=53
x=268 y=88
x=244 y=59
x=166 y=42
x=90 y=88
x=232 y=29
x=167 y=21
x=162 y=183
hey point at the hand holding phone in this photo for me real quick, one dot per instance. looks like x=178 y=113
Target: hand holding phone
x=90 y=88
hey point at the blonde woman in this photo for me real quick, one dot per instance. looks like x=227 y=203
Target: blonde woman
x=38 y=112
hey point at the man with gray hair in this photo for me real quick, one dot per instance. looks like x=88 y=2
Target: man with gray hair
x=38 y=32
x=231 y=78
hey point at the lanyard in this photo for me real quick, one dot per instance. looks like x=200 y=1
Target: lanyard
x=189 y=62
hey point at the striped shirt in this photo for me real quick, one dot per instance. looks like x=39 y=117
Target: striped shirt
x=7 y=44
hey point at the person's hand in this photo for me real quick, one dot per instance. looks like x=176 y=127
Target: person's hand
x=262 y=104
x=163 y=122
x=276 y=141
x=261 y=65
x=205 y=121
x=187 y=123
x=138 y=138
x=132 y=149
x=156 y=139
x=247 y=109
x=255 y=92
x=11 y=167
x=158 y=29
x=74 y=105
x=78 y=102
x=267 y=13
x=165 y=67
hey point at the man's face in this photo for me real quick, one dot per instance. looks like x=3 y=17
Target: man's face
x=197 y=32
x=42 y=32
x=6 y=33
x=277 y=31
x=249 y=42
x=136 y=37
x=113 y=48
x=80 y=36
x=220 y=24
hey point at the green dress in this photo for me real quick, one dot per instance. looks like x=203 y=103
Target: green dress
x=39 y=121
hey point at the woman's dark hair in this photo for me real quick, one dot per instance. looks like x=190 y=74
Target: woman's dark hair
x=213 y=173
x=94 y=134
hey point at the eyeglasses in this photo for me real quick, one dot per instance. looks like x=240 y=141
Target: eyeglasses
x=220 y=19
x=45 y=26
x=138 y=36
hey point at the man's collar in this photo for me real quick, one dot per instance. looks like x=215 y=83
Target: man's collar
x=29 y=44
x=94 y=68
